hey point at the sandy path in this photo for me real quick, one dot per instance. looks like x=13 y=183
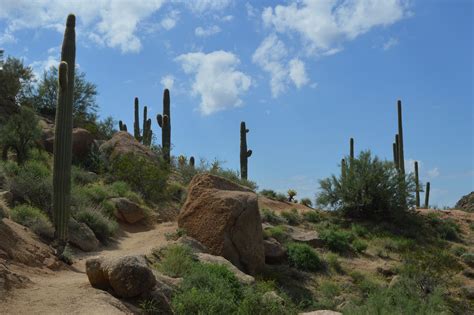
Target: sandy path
x=69 y=291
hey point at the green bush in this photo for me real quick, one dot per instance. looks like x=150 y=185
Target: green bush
x=359 y=230
x=303 y=257
x=292 y=217
x=102 y=226
x=176 y=192
x=95 y=192
x=277 y=232
x=268 y=193
x=333 y=262
x=281 y=197
x=143 y=175
x=337 y=240
x=254 y=301
x=370 y=189
x=446 y=228
x=306 y=202
x=359 y=245
x=122 y=189
x=33 y=218
x=459 y=250
x=271 y=217
x=31 y=183
x=82 y=177
x=312 y=216
x=468 y=258
x=176 y=261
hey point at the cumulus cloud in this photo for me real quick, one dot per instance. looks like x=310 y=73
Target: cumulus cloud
x=216 y=79
x=201 y=6
x=270 y=56
x=324 y=26
x=208 y=31
x=168 y=81
x=40 y=66
x=391 y=42
x=111 y=23
x=170 y=20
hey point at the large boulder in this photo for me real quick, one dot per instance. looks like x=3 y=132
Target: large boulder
x=309 y=237
x=224 y=216
x=127 y=276
x=466 y=203
x=275 y=253
x=127 y=211
x=123 y=143
x=218 y=260
x=82 y=142
x=81 y=236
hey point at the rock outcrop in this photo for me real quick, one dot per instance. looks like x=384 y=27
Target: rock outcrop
x=123 y=143
x=224 y=216
x=127 y=211
x=466 y=203
x=82 y=142
x=275 y=253
x=81 y=236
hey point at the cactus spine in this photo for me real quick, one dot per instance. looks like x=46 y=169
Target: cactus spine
x=401 y=156
x=244 y=153
x=417 y=186
x=351 y=142
x=63 y=136
x=164 y=121
x=427 y=195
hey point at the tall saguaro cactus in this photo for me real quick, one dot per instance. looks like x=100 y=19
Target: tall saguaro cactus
x=395 y=153
x=136 y=124
x=417 y=186
x=427 y=195
x=244 y=153
x=401 y=155
x=164 y=121
x=63 y=136
x=351 y=148
x=343 y=168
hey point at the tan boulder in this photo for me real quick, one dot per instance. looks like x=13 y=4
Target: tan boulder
x=224 y=217
x=123 y=143
x=127 y=211
x=275 y=253
x=82 y=142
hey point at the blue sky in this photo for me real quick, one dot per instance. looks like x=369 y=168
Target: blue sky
x=305 y=76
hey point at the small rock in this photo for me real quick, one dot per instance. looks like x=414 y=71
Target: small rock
x=304 y=236
x=81 y=236
x=127 y=211
x=96 y=274
x=195 y=245
x=242 y=277
x=274 y=252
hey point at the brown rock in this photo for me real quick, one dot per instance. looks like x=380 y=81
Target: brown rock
x=274 y=252
x=304 y=236
x=127 y=211
x=225 y=218
x=82 y=142
x=466 y=203
x=81 y=236
x=123 y=143
x=219 y=260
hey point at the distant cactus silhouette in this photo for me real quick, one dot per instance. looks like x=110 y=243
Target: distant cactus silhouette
x=427 y=195
x=164 y=121
x=244 y=153
x=191 y=161
x=351 y=144
x=401 y=154
x=63 y=136
x=417 y=186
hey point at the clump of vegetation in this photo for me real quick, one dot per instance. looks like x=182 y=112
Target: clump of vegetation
x=102 y=226
x=468 y=258
x=173 y=236
x=291 y=194
x=306 y=202
x=304 y=257
x=312 y=216
x=269 y=193
x=292 y=216
x=359 y=245
x=337 y=240
x=446 y=228
x=271 y=217
x=277 y=232
x=177 y=261
x=369 y=189
x=333 y=262
x=33 y=218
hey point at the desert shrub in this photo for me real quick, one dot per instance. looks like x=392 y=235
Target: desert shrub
x=33 y=218
x=122 y=189
x=208 y=289
x=145 y=176
x=269 y=193
x=291 y=194
x=176 y=261
x=102 y=226
x=292 y=216
x=176 y=192
x=359 y=230
x=306 y=202
x=81 y=176
x=359 y=245
x=95 y=193
x=31 y=183
x=333 y=262
x=280 y=197
x=304 y=257
x=337 y=240
x=173 y=236
x=255 y=302
x=459 y=250
x=468 y=258
x=150 y=307
x=277 y=232
x=328 y=291
x=271 y=217
x=312 y=216
x=446 y=228
x=20 y=134
x=4 y=209
x=370 y=189
x=231 y=175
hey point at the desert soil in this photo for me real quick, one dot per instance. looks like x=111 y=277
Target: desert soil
x=69 y=292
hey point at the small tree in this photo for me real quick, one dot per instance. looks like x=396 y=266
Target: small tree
x=371 y=188
x=20 y=134
x=291 y=194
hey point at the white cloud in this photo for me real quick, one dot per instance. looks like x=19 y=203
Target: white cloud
x=170 y=20
x=227 y=18
x=168 y=81
x=111 y=23
x=40 y=66
x=392 y=42
x=298 y=72
x=202 y=6
x=270 y=56
x=7 y=37
x=324 y=26
x=208 y=31
x=251 y=11
x=433 y=173
x=216 y=79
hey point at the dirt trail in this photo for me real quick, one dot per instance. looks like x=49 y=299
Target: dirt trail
x=69 y=291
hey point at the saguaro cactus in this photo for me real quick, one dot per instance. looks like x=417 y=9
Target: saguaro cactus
x=427 y=195
x=401 y=155
x=63 y=136
x=395 y=153
x=343 y=168
x=164 y=121
x=136 y=124
x=191 y=161
x=244 y=153
x=351 y=148
x=417 y=186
